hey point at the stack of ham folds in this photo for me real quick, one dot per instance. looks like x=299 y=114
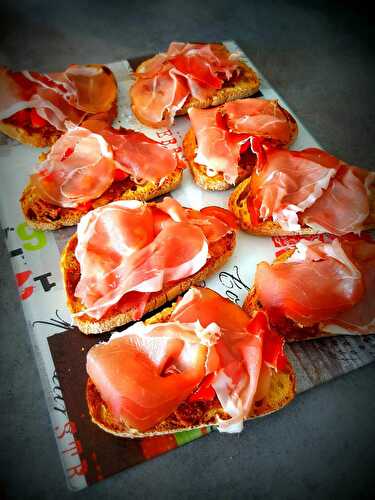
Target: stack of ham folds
x=208 y=348
x=82 y=164
x=30 y=99
x=34 y=100
x=310 y=188
x=226 y=132
x=128 y=250
x=322 y=288
x=165 y=82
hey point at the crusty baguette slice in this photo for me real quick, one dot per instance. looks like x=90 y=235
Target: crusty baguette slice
x=217 y=182
x=220 y=251
x=45 y=216
x=46 y=136
x=190 y=415
x=238 y=205
x=289 y=329
x=245 y=84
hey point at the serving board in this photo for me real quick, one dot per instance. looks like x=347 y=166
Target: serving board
x=87 y=453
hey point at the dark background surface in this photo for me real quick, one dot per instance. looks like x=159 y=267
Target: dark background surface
x=320 y=58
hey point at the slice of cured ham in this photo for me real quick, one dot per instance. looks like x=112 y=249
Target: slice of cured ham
x=140 y=156
x=78 y=168
x=361 y=317
x=221 y=132
x=165 y=82
x=58 y=97
x=82 y=164
x=144 y=373
x=156 y=100
x=260 y=118
x=288 y=182
x=168 y=250
x=320 y=282
x=344 y=206
x=310 y=187
x=235 y=358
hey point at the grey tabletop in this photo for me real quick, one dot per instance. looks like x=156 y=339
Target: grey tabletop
x=321 y=60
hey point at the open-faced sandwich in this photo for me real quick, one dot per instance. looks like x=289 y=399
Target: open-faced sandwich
x=34 y=107
x=128 y=258
x=197 y=75
x=201 y=362
x=219 y=144
x=302 y=193
x=85 y=170
x=318 y=290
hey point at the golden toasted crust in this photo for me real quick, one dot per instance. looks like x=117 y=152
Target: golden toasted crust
x=217 y=182
x=190 y=415
x=245 y=84
x=220 y=251
x=287 y=327
x=238 y=205
x=45 y=216
x=48 y=135
x=36 y=138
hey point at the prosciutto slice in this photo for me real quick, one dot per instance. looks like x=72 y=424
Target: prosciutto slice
x=313 y=188
x=165 y=82
x=344 y=206
x=78 y=168
x=58 y=97
x=139 y=156
x=169 y=248
x=221 y=132
x=319 y=282
x=260 y=118
x=156 y=100
x=361 y=317
x=144 y=373
x=288 y=182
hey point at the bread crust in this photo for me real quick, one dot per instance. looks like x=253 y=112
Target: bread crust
x=220 y=251
x=237 y=204
x=289 y=329
x=40 y=214
x=245 y=84
x=48 y=135
x=190 y=415
x=217 y=182
x=38 y=139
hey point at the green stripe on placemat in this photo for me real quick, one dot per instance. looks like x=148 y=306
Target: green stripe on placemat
x=185 y=437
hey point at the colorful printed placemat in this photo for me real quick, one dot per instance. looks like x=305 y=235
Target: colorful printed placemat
x=87 y=453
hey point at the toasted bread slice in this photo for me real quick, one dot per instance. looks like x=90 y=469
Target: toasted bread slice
x=287 y=327
x=47 y=135
x=238 y=205
x=220 y=251
x=190 y=415
x=244 y=84
x=217 y=182
x=45 y=216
